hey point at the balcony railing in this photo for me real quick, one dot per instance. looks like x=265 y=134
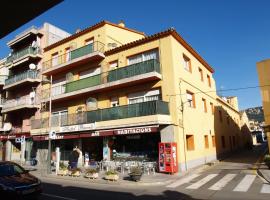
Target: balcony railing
x=2 y=79
x=114 y=113
x=113 y=75
x=134 y=69
x=18 y=54
x=76 y=53
x=32 y=74
x=21 y=101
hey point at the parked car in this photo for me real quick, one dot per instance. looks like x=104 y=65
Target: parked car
x=17 y=182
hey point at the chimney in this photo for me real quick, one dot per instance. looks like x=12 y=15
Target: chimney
x=77 y=30
x=121 y=23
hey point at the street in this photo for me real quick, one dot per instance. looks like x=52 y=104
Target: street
x=233 y=178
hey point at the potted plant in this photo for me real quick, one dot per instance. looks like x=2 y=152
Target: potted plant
x=63 y=170
x=136 y=173
x=91 y=173
x=267 y=160
x=111 y=175
x=75 y=172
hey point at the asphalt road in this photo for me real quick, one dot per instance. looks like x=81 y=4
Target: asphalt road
x=233 y=178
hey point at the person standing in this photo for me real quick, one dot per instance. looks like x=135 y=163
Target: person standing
x=73 y=158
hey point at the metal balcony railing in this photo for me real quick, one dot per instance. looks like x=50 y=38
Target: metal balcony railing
x=32 y=74
x=76 y=53
x=134 y=69
x=21 y=101
x=114 y=113
x=113 y=75
x=18 y=54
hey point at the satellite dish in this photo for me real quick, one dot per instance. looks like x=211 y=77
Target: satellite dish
x=69 y=77
x=91 y=104
x=7 y=126
x=32 y=66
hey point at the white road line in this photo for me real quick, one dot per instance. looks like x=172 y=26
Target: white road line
x=55 y=196
x=245 y=184
x=182 y=181
x=265 y=188
x=201 y=182
x=222 y=182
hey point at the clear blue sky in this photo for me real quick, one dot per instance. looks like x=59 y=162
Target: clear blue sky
x=231 y=35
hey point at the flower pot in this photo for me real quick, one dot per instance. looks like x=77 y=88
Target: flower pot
x=112 y=177
x=135 y=177
x=91 y=175
x=75 y=173
x=62 y=172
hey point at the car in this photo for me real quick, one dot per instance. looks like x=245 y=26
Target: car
x=16 y=182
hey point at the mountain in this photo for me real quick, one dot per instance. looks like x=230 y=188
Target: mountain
x=255 y=114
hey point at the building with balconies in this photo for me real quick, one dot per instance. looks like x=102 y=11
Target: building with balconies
x=21 y=89
x=114 y=89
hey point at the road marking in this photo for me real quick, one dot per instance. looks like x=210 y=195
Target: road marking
x=183 y=181
x=55 y=196
x=222 y=182
x=265 y=188
x=246 y=182
x=201 y=182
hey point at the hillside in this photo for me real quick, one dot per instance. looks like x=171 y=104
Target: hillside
x=255 y=114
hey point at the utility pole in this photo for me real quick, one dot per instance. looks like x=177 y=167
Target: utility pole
x=50 y=127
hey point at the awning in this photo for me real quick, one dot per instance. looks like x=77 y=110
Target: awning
x=101 y=133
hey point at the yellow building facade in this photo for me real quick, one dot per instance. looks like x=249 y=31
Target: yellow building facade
x=115 y=89
x=263 y=69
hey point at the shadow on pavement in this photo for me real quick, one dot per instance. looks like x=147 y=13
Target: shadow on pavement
x=51 y=191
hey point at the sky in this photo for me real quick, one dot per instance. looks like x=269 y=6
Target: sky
x=231 y=35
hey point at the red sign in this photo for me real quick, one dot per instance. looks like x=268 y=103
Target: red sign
x=13 y=136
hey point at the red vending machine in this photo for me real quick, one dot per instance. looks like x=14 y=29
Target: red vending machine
x=168 y=157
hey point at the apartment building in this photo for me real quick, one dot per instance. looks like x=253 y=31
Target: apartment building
x=22 y=87
x=114 y=89
x=263 y=69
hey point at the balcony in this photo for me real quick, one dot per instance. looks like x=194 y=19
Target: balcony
x=20 y=103
x=22 y=78
x=90 y=52
x=119 y=113
x=2 y=79
x=23 y=54
x=1 y=102
x=125 y=76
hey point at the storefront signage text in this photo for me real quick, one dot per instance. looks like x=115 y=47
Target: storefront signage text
x=79 y=127
x=133 y=131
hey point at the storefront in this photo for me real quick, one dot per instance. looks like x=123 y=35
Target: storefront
x=110 y=144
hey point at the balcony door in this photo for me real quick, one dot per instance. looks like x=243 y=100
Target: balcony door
x=148 y=55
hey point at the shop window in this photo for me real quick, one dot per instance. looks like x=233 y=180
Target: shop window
x=223 y=142
x=220 y=116
x=209 y=80
x=212 y=108
x=204 y=105
x=191 y=99
x=148 y=55
x=190 y=142
x=114 y=101
x=213 y=141
x=140 y=97
x=201 y=74
x=187 y=63
x=206 y=142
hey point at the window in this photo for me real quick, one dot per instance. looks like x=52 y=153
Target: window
x=190 y=142
x=149 y=55
x=113 y=64
x=204 y=105
x=212 y=108
x=139 y=97
x=67 y=54
x=206 y=142
x=54 y=59
x=223 y=142
x=209 y=80
x=213 y=141
x=187 y=63
x=201 y=74
x=114 y=101
x=220 y=116
x=90 y=72
x=89 y=41
x=59 y=117
x=191 y=99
